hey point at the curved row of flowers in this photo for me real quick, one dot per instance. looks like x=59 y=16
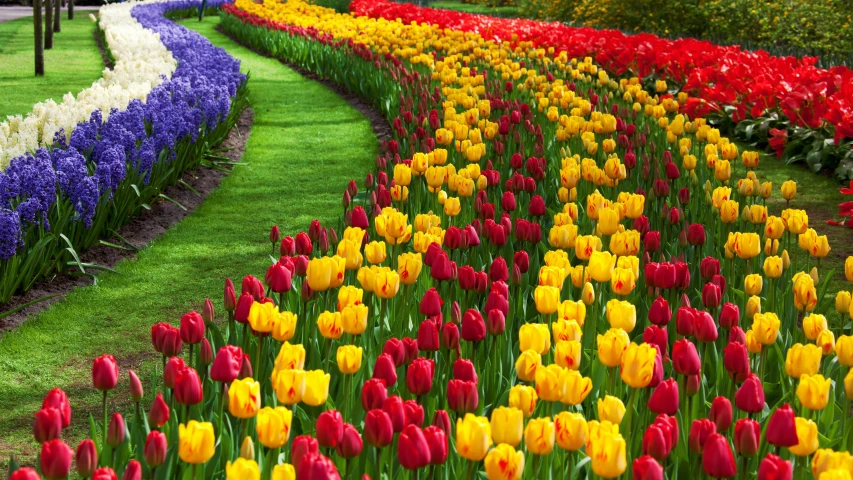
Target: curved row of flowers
x=584 y=283
x=64 y=196
x=785 y=93
x=141 y=63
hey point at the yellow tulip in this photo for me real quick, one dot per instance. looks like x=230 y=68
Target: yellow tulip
x=825 y=460
x=262 y=316
x=504 y=463
x=608 y=221
x=765 y=326
x=452 y=207
x=842 y=302
x=571 y=310
x=507 y=425
x=586 y=245
x=547 y=299
x=608 y=455
x=622 y=281
x=197 y=442
x=375 y=252
x=319 y=273
x=802 y=359
x=536 y=337
x=625 y=243
x=526 y=365
x=848 y=384
x=610 y=409
x=805 y=294
x=844 y=350
x=752 y=344
x=807 y=438
x=316 y=388
x=813 y=391
x=797 y=221
x=349 y=359
x=568 y=354
x=638 y=363
x=273 y=426
x=409 y=267
x=789 y=190
x=524 y=398
x=601 y=265
x=283 y=471
x=386 y=284
x=354 y=319
x=773 y=267
x=848 y=268
x=351 y=253
x=242 y=469
x=753 y=306
x=774 y=227
x=729 y=211
x=813 y=324
x=329 y=324
x=473 y=437
x=402 y=174
x=621 y=314
x=826 y=341
x=550 y=382
x=289 y=385
x=748 y=245
x=290 y=356
x=571 y=430
x=244 y=398
x=563 y=236
x=577 y=388
x=611 y=347
x=566 y=330
x=752 y=284
x=284 y=326
x=539 y=436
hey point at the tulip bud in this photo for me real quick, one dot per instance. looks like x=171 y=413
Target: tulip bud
x=133 y=471
x=230 y=296
x=55 y=459
x=693 y=384
x=781 y=428
x=205 y=356
x=774 y=468
x=247 y=449
x=159 y=413
x=700 y=430
x=721 y=413
x=86 y=458
x=245 y=368
x=330 y=428
x=105 y=372
x=116 y=430
x=747 y=437
x=155 y=449
x=351 y=444
x=47 y=424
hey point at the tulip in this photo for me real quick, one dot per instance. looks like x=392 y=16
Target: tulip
x=610 y=409
x=105 y=372
x=547 y=299
x=638 y=363
x=351 y=444
x=601 y=265
x=86 y=458
x=647 y=468
x=781 y=428
x=420 y=375
x=659 y=312
x=657 y=442
x=718 y=461
x=621 y=314
x=473 y=437
x=539 y=436
x=462 y=396
x=774 y=468
x=47 y=425
x=807 y=437
x=534 y=336
x=464 y=370
x=303 y=446
x=736 y=361
x=133 y=471
x=104 y=473
x=813 y=391
x=188 y=389
x=159 y=413
x=25 y=473
x=750 y=396
x=378 y=430
x=611 y=346
x=244 y=398
x=577 y=387
x=608 y=454
x=197 y=442
x=571 y=430
x=155 y=449
x=55 y=459
x=316 y=388
x=504 y=463
x=348 y=358
x=330 y=428
x=550 y=382
x=242 y=469
x=473 y=326
x=664 y=398
x=685 y=358
x=700 y=430
x=273 y=426
x=313 y=466
x=802 y=359
x=116 y=430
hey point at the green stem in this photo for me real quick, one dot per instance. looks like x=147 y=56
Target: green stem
x=104 y=405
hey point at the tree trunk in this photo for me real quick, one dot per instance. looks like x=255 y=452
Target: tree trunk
x=39 y=46
x=70 y=9
x=56 y=16
x=48 y=24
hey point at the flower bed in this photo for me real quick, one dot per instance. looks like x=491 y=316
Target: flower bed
x=640 y=303
x=62 y=198
x=764 y=92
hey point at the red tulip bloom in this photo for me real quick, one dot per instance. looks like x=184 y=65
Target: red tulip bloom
x=378 y=430
x=721 y=413
x=133 y=471
x=105 y=372
x=414 y=413
x=279 y=278
x=350 y=445
x=428 y=337
x=159 y=413
x=396 y=350
x=373 y=394
x=750 y=396
x=136 y=391
x=781 y=429
x=188 y=390
x=25 y=473
x=437 y=441
x=718 y=461
x=462 y=396
x=774 y=468
x=659 y=312
x=473 y=326
x=647 y=468
x=431 y=303
x=303 y=445
x=55 y=459
x=393 y=406
x=330 y=428
x=57 y=399
x=664 y=399
x=155 y=449
x=104 y=473
x=463 y=369
x=413 y=451
x=708 y=267
x=700 y=430
x=747 y=437
x=729 y=316
x=685 y=358
x=736 y=361
x=385 y=370
x=86 y=458
x=47 y=424
x=314 y=466
x=192 y=328
x=115 y=430
x=656 y=442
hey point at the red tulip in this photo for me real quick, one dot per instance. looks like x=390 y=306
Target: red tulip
x=226 y=365
x=303 y=445
x=464 y=370
x=287 y=248
x=86 y=458
x=537 y=206
x=685 y=358
x=750 y=396
x=253 y=287
x=385 y=370
x=450 y=336
x=159 y=413
x=498 y=271
x=188 y=390
x=393 y=406
x=696 y=234
x=279 y=278
x=47 y=424
x=659 y=312
x=736 y=361
x=419 y=376
x=116 y=430
x=155 y=449
x=774 y=468
x=413 y=451
x=473 y=327
x=437 y=441
x=316 y=467
x=55 y=459
x=647 y=468
x=495 y=322
x=428 y=340
x=330 y=428
x=350 y=445
x=670 y=426
x=230 y=299
x=373 y=394
x=664 y=399
x=747 y=437
x=658 y=336
x=136 y=391
x=700 y=430
x=442 y=420
x=462 y=396
x=414 y=413
x=736 y=334
x=656 y=442
x=378 y=430
x=170 y=372
x=718 y=461
x=396 y=350
x=721 y=413
x=521 y=260
x=729 y=316
x=711 y=295
x=205 y=353
x=705 y=329
x=25 y=473
x=192 y=328
x=781 y=429
x=133 y=471
x=685 y=322
x=708 y=267
x=104 y=473
x=651 y=243
x=171 y=342
x=244 y=305
x=105 y=372
x=57 y=399
x=431 y=303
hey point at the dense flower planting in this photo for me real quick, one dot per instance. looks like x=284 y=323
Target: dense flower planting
x=726 y=80
x=67 y=195
x=539 y=278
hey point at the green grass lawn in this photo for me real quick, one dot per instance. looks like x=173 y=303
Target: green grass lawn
x=506 y=11
x=305 y=145
x=73 y=64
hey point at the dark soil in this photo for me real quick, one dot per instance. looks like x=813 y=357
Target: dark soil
x=99 y=40
x=379 y=123
x=139 y=231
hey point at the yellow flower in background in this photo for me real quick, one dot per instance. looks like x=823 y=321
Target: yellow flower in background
x=550 y=382
x=789 y=190
x=284 y=326
x=566 y=330
x=523 y=398
x=610 y=409
x=611 y=346
x=409 y=267
x=842 y=302
x=507 y=425
x=802 y=359
x=526 y=365
x=262 y=316
x=807 y=438
x=197 y=442
x=504 y=463
x=571 y=430
x=316 y=388
x=473 y=437
x=813 y=324
x=753 y=306
x=273 y=426
x=752 y=284
x=283 y=471
x=290 y=356
x=813 y=391
x=289 y=385
x=608 y=221
x=844 y=350
x=242 y=469
x=539 y=436
x=638 y=364
x=765 y=327
x=572 y=310
x=621 y=314
x=547 y=299
x=244 y=398
x=349 y=359
x=354 y=319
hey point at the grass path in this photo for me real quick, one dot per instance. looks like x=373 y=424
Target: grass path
x=73 y=63
x=306 y=143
